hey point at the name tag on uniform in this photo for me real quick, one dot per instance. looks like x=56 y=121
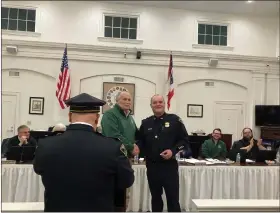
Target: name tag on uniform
x=150 y=129
x=167 y=124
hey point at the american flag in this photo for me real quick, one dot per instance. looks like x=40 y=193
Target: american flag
x=63 y=83
x=171 y=82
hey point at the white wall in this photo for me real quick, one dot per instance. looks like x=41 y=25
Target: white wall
x=277 y=42
x=241 y=79
x=92 y=62
x=167 y=29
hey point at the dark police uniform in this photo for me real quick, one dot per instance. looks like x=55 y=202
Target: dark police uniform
x=80 y=168
x=156 y=135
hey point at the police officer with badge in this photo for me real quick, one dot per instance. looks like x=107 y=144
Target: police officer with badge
x=160 y=138
x=80 y=168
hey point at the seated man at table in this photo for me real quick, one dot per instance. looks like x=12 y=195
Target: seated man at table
x=214 y=148
x=248 y=147
x=22 y=139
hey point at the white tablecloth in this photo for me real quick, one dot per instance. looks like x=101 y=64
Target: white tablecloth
x=21 y=184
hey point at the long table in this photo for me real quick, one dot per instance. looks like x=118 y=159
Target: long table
x=21 y=184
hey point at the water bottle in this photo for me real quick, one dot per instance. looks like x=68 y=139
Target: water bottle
x=238 y=157
x=136 y=159
x=278 y=156
x=178 y=156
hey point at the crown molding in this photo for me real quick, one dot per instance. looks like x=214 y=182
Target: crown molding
x=112 y=54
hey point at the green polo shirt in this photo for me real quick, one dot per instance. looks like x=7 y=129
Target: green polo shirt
x=212 y=150
x=115 y=123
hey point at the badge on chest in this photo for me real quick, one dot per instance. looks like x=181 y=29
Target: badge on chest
x=166 y=124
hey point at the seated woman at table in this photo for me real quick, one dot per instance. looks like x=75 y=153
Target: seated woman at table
x=214 y=148
x=248 y=147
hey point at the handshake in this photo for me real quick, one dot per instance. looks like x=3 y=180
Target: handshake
x=135 y=150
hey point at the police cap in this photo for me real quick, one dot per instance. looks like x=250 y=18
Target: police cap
x=84 y=103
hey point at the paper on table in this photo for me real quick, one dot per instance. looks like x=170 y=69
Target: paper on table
x=215 y=161
x=249 y=161
x=195 y=161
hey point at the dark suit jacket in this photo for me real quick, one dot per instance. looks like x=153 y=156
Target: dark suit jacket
x=80 y=170
x=14 y=141
x=4 y=147
x=236 y=148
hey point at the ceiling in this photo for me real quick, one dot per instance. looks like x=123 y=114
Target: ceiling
x=258 y=8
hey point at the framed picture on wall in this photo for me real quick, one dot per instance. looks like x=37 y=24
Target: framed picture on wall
x=194 y=111
x=110 y=91
x=36 y=105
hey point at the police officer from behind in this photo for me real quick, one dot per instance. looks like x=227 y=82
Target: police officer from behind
x=80 y=168
x=160 y=138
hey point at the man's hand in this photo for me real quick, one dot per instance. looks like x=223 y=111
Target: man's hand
x=247 y=148
x=23 y=140
x=136 y=150
x=166 y=154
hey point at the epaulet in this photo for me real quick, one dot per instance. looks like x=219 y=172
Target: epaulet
x=176 y=117
x=98 y=133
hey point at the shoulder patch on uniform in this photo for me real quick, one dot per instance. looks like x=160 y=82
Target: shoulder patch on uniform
x=123 y=150
x=180 y=120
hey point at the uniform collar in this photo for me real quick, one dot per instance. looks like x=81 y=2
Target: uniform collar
x=84 y=123
x=80 y=126
x=160 y=117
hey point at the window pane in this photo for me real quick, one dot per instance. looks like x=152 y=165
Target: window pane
x=201 y=39
x=116 y=21
x=31 y=26
x=108 y=32
x=216 y=30
x=201 y=28
x=4 y=24
x=116 y=32
x=4 y=12
x=12 y=24
x=31 y=15
x=223 y=40
x=133 y=23
x=21 y=25
x=108 y=21
x=125 y=22
x=22 y=14
x=132 y=34
x=13 y=13
x=216 y=40
x=209 y=29
x=124 y=33
x=224 y=30
x=209 y=39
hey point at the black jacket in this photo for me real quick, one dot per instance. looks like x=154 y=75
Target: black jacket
x=158 y=134
x=236 y=148
x=14 y=141
x=80 y=170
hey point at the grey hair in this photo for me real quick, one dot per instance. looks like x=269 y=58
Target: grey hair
x=59 y=127
x=155 y=96
x=119 y=95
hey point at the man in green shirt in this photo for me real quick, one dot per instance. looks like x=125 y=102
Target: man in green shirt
x=118 y=123
x=214 y=147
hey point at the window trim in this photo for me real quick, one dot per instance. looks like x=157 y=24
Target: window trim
x=17 y=32
x=214 y=47
x=102 y=38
